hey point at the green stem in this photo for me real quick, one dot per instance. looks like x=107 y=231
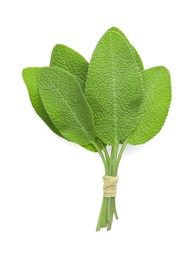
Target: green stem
x=114 y=159
x=121 y=153
x=108 y=208
x=106 y=154
x=101 y=155
x=105 y=150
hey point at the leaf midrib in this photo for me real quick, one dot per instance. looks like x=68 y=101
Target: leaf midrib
x=114 y=89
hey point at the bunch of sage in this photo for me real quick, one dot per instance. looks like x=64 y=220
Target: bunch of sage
x=110 y=102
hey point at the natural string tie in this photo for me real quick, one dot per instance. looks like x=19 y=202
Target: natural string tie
x=110 y=186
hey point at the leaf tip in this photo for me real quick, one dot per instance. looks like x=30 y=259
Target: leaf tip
x=114 y=29
x=24 y=72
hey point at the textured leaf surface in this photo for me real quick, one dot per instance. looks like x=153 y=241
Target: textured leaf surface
x=66 y=105
x=69 y=60
x=30 y=79
x=136 y=54
x=114 y=88
x=157 y=88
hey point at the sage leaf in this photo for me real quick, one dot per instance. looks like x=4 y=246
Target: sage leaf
x=114 y=88
x=70 y=60
x=66 y=105
x=155 y=106
x=30 y=78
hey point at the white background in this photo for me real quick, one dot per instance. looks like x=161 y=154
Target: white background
x=51 y=190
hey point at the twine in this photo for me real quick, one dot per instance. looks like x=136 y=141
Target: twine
x=110 y=186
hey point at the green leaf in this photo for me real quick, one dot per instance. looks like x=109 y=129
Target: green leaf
x=114 y=88
x=66 y=105
x=30 y=78
x=136 y=54
x=69 y=60
x=154 y=109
